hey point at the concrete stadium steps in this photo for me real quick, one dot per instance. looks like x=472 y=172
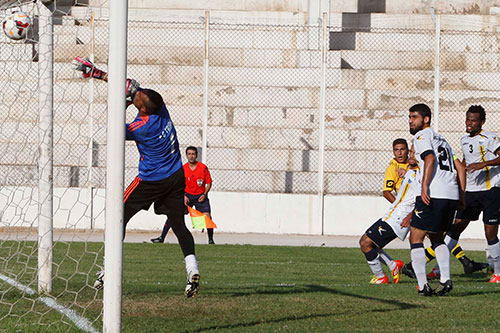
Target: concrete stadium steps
x=17 y=126
x=291 y=155
x=22 y=77
x=226 y=180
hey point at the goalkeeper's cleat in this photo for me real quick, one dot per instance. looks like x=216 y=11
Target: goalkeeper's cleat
x=99 y=282
x=470 y=266
x=495 y=279
x=408 y=271
x=377 y=280
x=396 y=272
x=434 y=274
x=192 y=286
x=444 y=288
x=426 y=291
x=157 y=240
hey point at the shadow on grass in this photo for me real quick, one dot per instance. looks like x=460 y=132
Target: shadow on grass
x=395 y=304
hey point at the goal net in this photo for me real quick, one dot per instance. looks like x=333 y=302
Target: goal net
x=73 y=135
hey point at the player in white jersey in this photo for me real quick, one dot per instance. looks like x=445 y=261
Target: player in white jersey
x=435 y=206
x=481 y=151
x=394 y=224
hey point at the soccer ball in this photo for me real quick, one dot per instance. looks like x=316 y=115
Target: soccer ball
x=16 y=25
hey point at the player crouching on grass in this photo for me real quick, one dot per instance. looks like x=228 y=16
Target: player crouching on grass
x=394 y=224
x=161 y=176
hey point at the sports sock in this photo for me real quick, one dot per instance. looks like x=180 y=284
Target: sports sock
x=495 y=254
x=386 y=259
x=191 y=265
x=489 y=260
x=165 y=230
x=443 y=259
x=373 y=260
x=418 y=263
x=458 y=252
x=450 y=242
x=430 y=254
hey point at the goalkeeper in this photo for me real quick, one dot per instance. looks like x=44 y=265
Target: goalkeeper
x=161 y=176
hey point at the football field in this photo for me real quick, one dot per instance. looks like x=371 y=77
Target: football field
x=247 y=288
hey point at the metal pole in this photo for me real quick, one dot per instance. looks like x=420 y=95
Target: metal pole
x=437 y=70
x=205 y=91
x=45 y=136
x=322 y=95
x=91 y=125
x=113 y=233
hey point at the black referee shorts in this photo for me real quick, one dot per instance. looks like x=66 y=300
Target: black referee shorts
x=166 y=194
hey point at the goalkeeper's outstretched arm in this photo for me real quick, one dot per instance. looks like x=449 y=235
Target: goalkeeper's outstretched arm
x=84 y=65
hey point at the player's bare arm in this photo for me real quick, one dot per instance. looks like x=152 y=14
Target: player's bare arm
x=389 y=196
x=462 y=180
x=429 y=161
x=406 y=221
x=479 y=166
x=204 y=195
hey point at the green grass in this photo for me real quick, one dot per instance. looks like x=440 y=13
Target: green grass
x=246 y=288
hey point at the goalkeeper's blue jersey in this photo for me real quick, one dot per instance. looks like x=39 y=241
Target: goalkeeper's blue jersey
x=157 y=143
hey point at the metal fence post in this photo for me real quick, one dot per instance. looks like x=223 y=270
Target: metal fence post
x=321 y=157
x=437 y=37
x=205 y=90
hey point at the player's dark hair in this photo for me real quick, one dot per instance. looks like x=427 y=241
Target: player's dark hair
x=192 y=148
x=478 y=109
x=154 y=102
x=400 y=141
x=423 y=110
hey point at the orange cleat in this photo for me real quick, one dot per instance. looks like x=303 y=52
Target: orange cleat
x=495 y=279
x=396 y=272
x=382 y=280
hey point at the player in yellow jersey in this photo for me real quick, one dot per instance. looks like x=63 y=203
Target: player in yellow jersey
x=396 y=170
x=394 y=224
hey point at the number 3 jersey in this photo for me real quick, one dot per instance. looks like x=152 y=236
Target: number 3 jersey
x=480 y=148
x=404 y=203
x=443 y=182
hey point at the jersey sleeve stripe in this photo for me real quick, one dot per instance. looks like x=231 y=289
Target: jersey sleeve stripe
x=135 y=125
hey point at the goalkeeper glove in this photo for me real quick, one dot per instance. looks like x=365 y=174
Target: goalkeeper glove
x=87 y=68
x=131 y=87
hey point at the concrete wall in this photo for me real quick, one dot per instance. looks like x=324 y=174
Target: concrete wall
x=232 y=212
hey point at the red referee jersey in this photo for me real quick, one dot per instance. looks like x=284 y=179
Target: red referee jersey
x=197 y=178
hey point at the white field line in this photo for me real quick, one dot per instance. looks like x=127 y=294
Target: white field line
x=80 y=322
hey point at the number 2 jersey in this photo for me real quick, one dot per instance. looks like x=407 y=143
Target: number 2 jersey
x=157 y=143
x=480 y=148
x=404 y=203
x=443 y=182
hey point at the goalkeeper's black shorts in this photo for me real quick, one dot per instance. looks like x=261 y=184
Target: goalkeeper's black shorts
x=166 y=194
